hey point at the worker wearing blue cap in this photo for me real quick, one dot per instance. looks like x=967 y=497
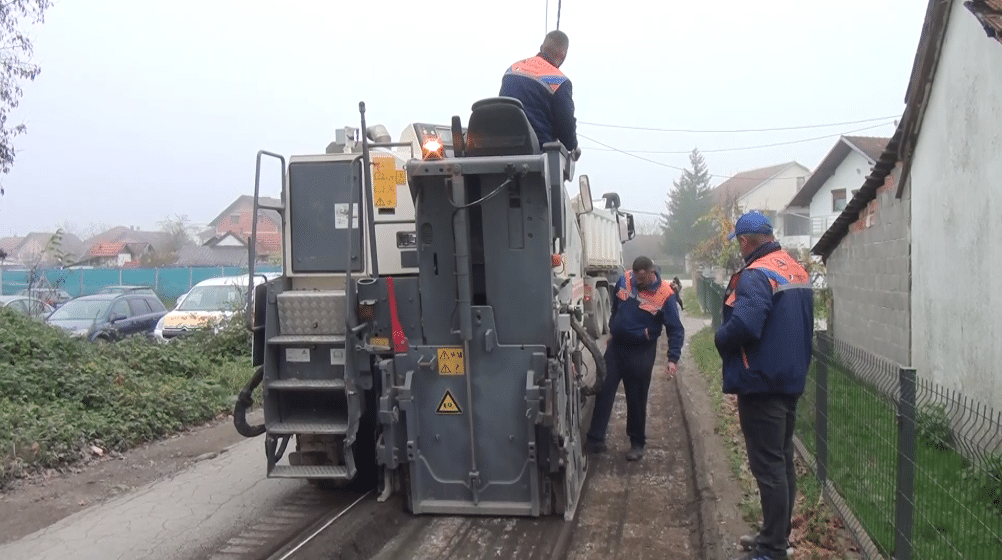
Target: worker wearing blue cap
x=765 y=344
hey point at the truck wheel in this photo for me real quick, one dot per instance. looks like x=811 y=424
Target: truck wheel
x=606 y=308
x=593 y=321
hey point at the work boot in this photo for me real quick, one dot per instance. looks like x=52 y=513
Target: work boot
x=636 y=453
x=595 y=447
x=748 y=542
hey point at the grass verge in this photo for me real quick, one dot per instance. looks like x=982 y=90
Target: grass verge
x=60 y=397
x=817 y=531
x=691 y=303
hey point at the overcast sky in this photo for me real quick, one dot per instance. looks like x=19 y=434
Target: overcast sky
x=152 y=108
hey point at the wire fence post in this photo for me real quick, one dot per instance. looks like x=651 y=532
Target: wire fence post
x=905 y=502
x=821 y=407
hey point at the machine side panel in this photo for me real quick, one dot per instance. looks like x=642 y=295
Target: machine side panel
x=519 y=276
x=507 y=471
x=437 y=259
x=319 y=195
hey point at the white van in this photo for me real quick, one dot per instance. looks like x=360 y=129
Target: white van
x=207 y=304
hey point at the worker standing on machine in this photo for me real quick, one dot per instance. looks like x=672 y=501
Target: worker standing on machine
x=545 y=93
x=643 y=303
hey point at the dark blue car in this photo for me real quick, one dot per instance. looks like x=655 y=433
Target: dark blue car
x=109 y=317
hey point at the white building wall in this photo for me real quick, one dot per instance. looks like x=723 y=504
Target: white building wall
x=776 y=193
x=957 y=217
x=849 y=175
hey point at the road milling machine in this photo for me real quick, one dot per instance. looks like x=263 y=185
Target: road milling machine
x=426 y=335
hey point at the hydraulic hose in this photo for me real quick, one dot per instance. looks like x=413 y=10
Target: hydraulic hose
x=596 y=353
x=244 y=402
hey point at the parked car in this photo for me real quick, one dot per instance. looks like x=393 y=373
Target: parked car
x=206 y=305
x=26 y=306
x=52 y=296
x=127 y=290
x=109 y=317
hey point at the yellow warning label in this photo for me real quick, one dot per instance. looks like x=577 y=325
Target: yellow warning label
x=401 y=177
x=379 y=342
x=384 y=182
x=450 y=361
x=448 y=405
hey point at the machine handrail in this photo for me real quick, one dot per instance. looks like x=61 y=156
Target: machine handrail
x=252 y=246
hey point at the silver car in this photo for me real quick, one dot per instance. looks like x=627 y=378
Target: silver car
x=25 y=305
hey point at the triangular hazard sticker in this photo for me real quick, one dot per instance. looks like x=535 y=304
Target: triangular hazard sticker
x=448 y=405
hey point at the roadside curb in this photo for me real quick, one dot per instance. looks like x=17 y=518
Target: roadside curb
x=698 y=429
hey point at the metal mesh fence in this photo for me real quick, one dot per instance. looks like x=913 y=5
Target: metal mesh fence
x=711 y=298
x=915 y=469
x=957 y=463
x=168 y=283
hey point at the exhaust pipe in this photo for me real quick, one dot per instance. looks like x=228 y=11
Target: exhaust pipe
x=244 y=402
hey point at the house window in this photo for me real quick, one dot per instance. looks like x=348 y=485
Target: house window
x=235 y=219
x=838 y=200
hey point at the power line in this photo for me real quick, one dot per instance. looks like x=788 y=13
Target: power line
x=662 y=164
x=745 y=147
x=737 y=130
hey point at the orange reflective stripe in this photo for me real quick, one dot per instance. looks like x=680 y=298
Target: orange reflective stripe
x=784 y=266
x=649 y=302
x=539 y=69
x=776 y=265
x=729 y=302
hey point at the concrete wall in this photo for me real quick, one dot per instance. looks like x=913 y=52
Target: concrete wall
x=957 y=212
x=869 y=274
x=849 y=175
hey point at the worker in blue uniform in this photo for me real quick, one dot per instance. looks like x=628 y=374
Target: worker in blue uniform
x=642 y=305
x=765 y=342
x=545 y=93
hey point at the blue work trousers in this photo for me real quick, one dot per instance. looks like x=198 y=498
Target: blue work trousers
x=633 y=365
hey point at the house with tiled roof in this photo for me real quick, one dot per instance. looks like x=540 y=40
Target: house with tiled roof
x=237 y=220
x=766 y=189
x=157 y=240
x=912 y=261
x=825 y=194
x=118 y=254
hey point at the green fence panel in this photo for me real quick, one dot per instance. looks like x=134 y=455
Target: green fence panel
x=168 y=283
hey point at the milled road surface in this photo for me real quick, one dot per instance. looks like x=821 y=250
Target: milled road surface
x=630 y=510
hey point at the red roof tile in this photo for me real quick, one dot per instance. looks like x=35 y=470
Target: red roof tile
x=107 y=249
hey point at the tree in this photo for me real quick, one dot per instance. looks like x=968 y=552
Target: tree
x=716 y=250
x=647 y=227
x=689 y=200
x=181 y=232
x=15 y=55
